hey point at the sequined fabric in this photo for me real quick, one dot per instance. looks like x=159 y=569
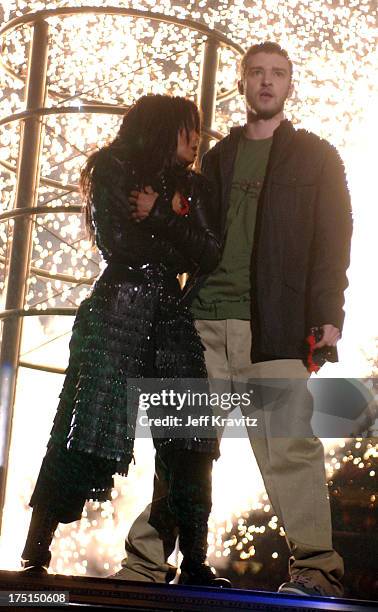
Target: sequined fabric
x=134 y=324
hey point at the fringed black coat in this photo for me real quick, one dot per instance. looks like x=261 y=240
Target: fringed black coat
x=134 y=324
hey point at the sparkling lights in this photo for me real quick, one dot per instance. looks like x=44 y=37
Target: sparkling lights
x=114 y=60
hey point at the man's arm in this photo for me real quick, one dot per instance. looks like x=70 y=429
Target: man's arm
x=330 y=250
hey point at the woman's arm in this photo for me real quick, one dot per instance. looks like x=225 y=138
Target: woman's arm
x=191 y=234
x=110 y=185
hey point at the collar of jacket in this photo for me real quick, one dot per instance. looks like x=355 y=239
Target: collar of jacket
x=282 y=139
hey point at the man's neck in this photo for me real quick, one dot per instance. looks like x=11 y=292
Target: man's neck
x=258 y=129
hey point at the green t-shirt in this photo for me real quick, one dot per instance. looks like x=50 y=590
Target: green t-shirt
x=226 y=292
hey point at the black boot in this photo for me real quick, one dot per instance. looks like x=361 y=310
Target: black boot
x=36 y=555
x=190 y=501
x=201 y=575
x=194 y=569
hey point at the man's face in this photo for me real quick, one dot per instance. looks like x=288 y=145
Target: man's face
x=266 y=84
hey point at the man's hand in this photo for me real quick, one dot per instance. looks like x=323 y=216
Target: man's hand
x=141 y=203
x=331 y=335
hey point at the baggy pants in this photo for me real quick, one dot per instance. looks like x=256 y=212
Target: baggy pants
x=292 y=467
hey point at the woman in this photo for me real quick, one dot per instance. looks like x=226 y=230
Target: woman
x=134 y=325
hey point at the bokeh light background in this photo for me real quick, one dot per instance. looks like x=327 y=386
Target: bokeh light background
x=114 y=60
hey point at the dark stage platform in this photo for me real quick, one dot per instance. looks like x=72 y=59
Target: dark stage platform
x=103 y=593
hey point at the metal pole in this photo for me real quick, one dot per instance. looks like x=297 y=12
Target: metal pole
x=207 y=94
x=19 y=263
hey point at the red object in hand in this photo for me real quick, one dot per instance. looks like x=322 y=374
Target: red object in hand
x=312 y=366
x=184 y=206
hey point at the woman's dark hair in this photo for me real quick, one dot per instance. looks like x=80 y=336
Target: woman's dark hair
x=148 y=137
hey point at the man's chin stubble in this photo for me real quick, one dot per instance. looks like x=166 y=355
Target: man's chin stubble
x=263 y=115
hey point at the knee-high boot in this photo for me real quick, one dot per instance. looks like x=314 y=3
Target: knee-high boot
x=190 y=500
x=36 y=555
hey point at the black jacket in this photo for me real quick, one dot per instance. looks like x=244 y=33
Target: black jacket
x=302 y=240
x=180 y=243
x=132 y=325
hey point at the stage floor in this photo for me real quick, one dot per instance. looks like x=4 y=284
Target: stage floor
x=104 y=593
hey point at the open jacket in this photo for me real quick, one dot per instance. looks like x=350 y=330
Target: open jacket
x=302 y=238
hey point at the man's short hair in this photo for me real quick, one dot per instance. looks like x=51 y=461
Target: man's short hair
x=264 y=47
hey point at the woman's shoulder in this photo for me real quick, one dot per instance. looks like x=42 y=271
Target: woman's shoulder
x=109 y=163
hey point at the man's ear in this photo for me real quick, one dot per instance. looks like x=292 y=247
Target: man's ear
x=241 y=87
x=291 y=90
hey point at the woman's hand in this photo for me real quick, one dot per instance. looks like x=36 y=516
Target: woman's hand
x=141 y=203
x=176 y=203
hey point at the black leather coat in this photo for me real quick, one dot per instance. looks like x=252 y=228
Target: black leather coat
x=133 y=325
x=182 y=244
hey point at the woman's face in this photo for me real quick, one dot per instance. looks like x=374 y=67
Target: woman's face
x=187 y=147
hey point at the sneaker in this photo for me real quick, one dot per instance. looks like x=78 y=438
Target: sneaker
x=304 y=585
x=202 y=575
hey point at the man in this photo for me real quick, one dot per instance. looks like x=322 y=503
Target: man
x=283 y=211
